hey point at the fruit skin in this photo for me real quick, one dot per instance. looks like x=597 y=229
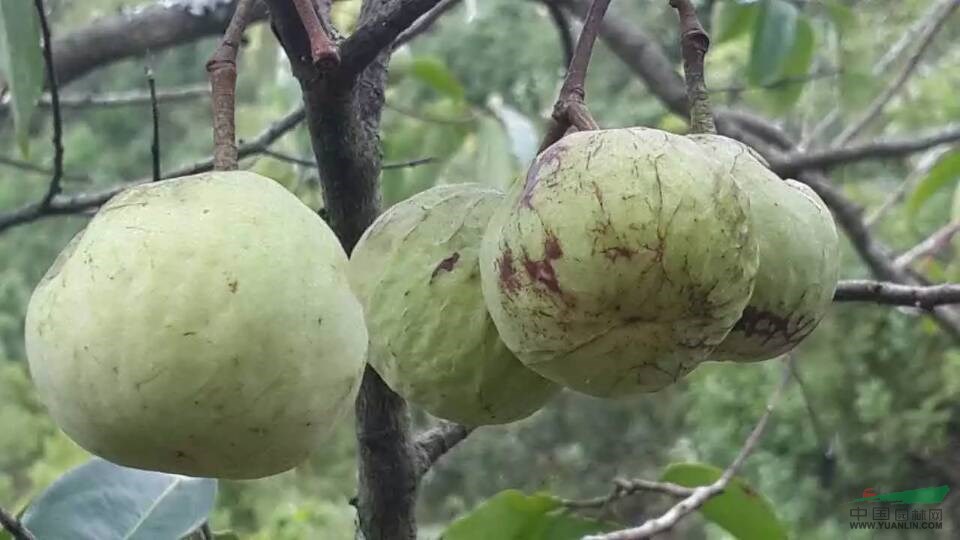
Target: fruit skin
x=431 y=338
x=621 y=262
x=201 y=325
x=799 y=256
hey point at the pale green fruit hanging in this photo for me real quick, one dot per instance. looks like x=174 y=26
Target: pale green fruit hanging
x=799 y=256
x=431 y=338
x=622 y=261
x=202 y=326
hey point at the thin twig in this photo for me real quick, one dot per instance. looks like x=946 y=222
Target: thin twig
x=424 y=23
x=222 y=70
x=54 y=188
x=891 y=148
x=894 y=294
x=876 y=107
x=82 y=202
x=694 y=43
x=623 y=488
x=13 y=526
x=155 y=115
x=933 y=244
x=570 y=108
x=703 y=494
x=305 y=162
x=129 y=98
x=30 y=167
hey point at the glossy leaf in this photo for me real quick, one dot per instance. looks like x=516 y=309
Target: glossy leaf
x=732 y=19
x=512 y=515
x=740 y=510
x=773 y=38
x=23 y=64
x=102 y=501
x=795 y=67
x=945 y=173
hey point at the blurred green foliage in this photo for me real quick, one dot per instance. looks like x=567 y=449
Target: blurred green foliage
x=878 y=406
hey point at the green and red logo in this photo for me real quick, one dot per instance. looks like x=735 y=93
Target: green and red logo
x=930 y=495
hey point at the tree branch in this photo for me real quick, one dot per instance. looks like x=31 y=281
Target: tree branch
x=54 y=187
x=152 y=27
x=14 y=527
x=323 y=51
x=564 y=31
x=943 y=12
x=702 y=494
x=30 y=167
x=374 y=36
x=570 y=109
x=130 y=98
x=155 y=117
x=433 y=443
x=792 y=163
x=933 y=244
x=424 y=23
x=894 y=294
x=80 y=202
x=222 y=70
x=623 y=488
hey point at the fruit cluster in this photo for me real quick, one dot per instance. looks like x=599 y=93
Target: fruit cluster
x=213 y=326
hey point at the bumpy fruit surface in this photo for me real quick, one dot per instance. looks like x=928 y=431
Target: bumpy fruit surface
x=799 y=256
x=622 y=261
x=202 y=325
x=431 y=338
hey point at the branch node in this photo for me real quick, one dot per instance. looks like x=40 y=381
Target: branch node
x=323 y=51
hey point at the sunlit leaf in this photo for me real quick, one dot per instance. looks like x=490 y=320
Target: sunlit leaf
x=732 y=19
x=743 y=512
x=512 y=515
x=20 y=32
x=773 y=38
x=102 y=501
x=945 y=173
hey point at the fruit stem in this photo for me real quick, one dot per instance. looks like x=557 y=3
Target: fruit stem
x=222 y=70
x=694 y=44
x=570 y=108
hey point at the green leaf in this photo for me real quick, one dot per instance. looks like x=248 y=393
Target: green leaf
x=795 y=67
x=512 y=515
x=740 y=510
x=522 y=132
x=944 y=173
x=435 y=74
x=20 y=33
x=773 y=38
x=102 y=501
x=731 y=19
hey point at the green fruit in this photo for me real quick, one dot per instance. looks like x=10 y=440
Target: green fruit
x=799 y=256
x=621 y=263
x=431 y=338
x=202 y=326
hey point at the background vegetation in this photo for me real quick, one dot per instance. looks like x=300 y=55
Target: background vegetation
x=878 y=405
